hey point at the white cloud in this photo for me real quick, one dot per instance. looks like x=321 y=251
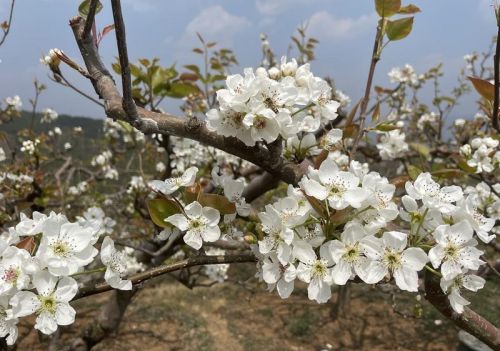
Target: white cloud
x=274 y=7
x=325 y=26
x=215 y=23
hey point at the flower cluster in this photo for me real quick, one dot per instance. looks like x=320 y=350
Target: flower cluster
x=49 y=115
x=482 y=154
x=38 y=259
x=264 y=105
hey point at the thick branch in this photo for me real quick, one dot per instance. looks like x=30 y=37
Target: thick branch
x=164 y=123
x=163 y=269
x=121 y=42
x=469 y=320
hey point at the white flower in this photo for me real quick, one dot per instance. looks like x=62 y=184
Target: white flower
x=348 y=255
x=160 y=167
x=455 y=249
x=279 y=276
x=14 y=102
x=339 y=187
x=331 y=139
x=51 y=305
x=432 y=195
x=3 y=157
x=233 y=190
x=467 y=210
x=278 y=237
x=65 y=247
x=389 y=256
x=392 y=145
x=8 y=326
x=314 y=271
x=116 y=265
x=13 y=266
x=263 y=125
x=200 y=224
x=49 y=115
x=170 y=185
x=452 y=288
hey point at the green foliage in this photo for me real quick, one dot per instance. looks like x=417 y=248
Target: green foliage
x=162 y=208
x=387 y=8
x=399 y=29
x=83 y=9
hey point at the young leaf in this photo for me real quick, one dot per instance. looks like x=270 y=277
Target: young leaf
x=413 y=172
x=422 y=149
x=399 y=29
x=160 y=208
x=409 y=9
x=484 y=88
x=83 y=9
x=387 y=8
x=386 y=127
x=219 y=202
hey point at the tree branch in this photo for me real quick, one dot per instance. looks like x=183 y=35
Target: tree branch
x=121 y=41
x=469 y=320
x=496 y=66
x=9 y=22
x=89 y=21
x=364 y=103
x=163 y=269
x=163 y=123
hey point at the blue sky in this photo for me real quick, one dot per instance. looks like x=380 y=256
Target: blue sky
x=443 y=32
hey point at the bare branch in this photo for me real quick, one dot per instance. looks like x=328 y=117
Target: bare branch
x=364 y=102
x=163 y=269
x=9 y=22
x=496 y=66
x=121 y=41
x=89 y=21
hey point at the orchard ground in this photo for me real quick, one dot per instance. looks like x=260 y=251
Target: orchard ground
x=239 y=315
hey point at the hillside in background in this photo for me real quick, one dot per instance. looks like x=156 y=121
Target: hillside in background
x=84 y=145
x=92 y=128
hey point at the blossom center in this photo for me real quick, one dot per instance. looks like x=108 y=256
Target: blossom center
x=48 y=304
x=319 y=269
x=10 y=275
x=392 y=259
x=352 y=253
x=60 y=248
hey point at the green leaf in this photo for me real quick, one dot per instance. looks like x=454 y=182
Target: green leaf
x=387 y=8
x=422 y=149
x=409 y=9
x=463 y=165
x=83 y=9
x=193 y=68
x=413 y=172
x=219 y=202
x=179 y=89
x=448 y=173
x=386 y=127
x=483 y=87
x=399 y=29
x=160 y=208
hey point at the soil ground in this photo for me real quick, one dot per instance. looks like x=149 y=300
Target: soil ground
x=242 y=316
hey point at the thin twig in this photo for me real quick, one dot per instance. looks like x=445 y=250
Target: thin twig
x=366 y=98
x=71 y=86
x=89 y=21
x=496 y=59
x=9 y=23
x=121 y=41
